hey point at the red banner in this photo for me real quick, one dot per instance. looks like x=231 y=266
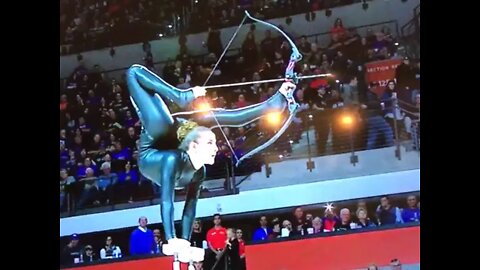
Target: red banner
x=381 y=72
x=341 y=252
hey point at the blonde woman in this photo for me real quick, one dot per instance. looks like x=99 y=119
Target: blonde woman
x=172 y=151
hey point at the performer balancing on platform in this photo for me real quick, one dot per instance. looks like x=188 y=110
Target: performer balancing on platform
x=173 y=149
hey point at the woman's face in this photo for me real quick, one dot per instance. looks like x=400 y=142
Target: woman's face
x=362 y=214
x=196 y=225
x=96 y=138
x=206 y=147
x=317 y=223
x=391 y=85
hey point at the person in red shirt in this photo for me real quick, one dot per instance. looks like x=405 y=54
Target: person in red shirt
x=216 y=239
x=241 y=249
x=338 y=29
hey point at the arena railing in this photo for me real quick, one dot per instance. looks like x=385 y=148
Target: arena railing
x=322 y=37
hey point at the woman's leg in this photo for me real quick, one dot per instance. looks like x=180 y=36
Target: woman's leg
x=237 y=117
x=156 y=121
x=151 y=109
x=150 y=81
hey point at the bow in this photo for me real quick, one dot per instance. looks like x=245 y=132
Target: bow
x=290 y=75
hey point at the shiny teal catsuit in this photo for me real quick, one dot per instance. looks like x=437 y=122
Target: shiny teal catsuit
x=168 y=166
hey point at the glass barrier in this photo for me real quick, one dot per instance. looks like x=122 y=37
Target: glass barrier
x=332 y=126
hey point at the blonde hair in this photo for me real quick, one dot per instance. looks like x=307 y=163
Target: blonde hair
x=187 y=132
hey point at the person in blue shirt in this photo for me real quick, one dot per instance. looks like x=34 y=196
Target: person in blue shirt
x=412 y=212
x=142 y=241
x=263 y=232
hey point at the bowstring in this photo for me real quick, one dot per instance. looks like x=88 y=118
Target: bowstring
x=210 y=75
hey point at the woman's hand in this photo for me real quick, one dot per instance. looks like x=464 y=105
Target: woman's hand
x=199 y=91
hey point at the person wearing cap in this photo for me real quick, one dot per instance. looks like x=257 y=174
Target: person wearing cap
x=88 y=255
x=71 y=252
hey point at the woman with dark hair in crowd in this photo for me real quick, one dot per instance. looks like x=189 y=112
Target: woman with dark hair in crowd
x=173 y=151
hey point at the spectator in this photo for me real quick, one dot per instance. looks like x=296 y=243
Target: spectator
x=405 y=75
x=388 y=214
x=376 y=124
x=110 y=251
x=198 y=235
x=317 y=225
x=276 y=228
x=66 y=183
x=216 y=240
x=345 y=221
x=241 y=249
x=106 y=181
x=128 y=181
x=142 y=241
x=263 y=232
x=249 y=50
x=412 y=212
x=363 y=220
x=71 y=252
x=350 y=91
x=329 y=220
x=298 y=220
x=268 y=46
x=232 y=250
x=287 y=229
x=90 y=193
x=158 y=241
x=338 y=29
x=372 y=267
x=88 y=255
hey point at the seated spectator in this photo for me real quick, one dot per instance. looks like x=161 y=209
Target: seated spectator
x=388 y=214
x=329 y=220
x=71 y=252
x=65 y=182
x=317 y=225
x=88 y=255
x=363 y=220
x=287 y=229
x=276 y=229
x=345 y=220
x=412 y=212
x=106 y=181
x=87 y=163
x=263 y=232
x=90 y=193
x=142 y=241
x=128 y=181
x=110 y=251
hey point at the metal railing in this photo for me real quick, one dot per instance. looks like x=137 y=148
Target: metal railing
x=317 y=38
